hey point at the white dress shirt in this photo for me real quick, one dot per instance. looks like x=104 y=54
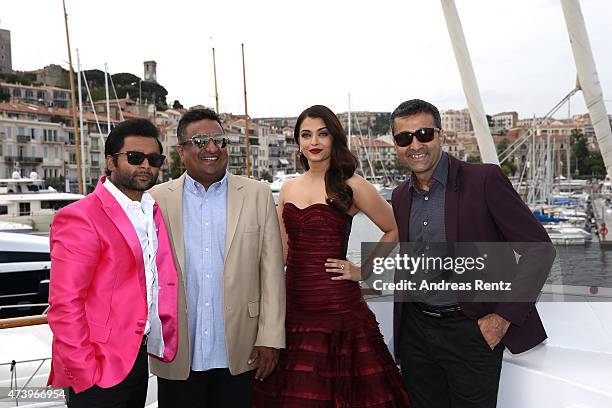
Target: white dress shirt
x=140 y=214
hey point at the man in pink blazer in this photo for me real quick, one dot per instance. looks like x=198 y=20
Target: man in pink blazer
x=113 y=289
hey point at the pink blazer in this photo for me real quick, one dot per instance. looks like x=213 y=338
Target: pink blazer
x=97 y=292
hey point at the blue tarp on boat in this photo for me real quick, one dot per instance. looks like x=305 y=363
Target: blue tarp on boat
x=546 y=218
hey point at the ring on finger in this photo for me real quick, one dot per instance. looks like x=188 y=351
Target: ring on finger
x=342 y=266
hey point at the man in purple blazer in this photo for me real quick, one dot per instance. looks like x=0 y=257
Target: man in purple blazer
x=450 y=350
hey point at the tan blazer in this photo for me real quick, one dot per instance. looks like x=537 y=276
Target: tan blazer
x=253 y=276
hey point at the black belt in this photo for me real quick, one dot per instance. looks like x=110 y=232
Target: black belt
x=439 y=312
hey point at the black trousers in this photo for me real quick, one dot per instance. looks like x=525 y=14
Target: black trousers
x=207 y=389
x=446 y=362
x=129 y=393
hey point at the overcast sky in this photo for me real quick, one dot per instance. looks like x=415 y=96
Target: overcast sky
x=316 y=52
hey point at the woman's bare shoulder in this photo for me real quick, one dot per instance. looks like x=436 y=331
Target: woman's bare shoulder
x=357 y=182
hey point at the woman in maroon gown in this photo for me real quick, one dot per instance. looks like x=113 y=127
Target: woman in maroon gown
x=335 y=354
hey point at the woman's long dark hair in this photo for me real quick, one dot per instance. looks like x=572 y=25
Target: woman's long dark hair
x=342 y=162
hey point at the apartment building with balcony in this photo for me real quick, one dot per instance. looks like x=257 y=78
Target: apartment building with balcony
x=504 y=121
x=456 y=120
x=41 y=139
x=30 y=146
x=236 y=132
x=38 y=95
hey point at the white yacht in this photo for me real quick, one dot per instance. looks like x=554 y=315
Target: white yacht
x=567 y=234
x=25 y=264
x=26 y=201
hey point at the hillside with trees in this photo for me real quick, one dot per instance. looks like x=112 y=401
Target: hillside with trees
x=125 y=83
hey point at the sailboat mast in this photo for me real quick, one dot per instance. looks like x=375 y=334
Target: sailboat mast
x=215 y=75
x=349 y=121
x=246 y=119
x=75 y=126
x=82 y=146
x=108 y=121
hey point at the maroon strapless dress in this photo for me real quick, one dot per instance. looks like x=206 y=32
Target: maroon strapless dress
x=335 y=355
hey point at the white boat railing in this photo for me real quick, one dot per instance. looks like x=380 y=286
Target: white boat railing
x=14 y=386
x=9 y=393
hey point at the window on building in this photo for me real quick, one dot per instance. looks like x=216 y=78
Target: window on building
x=21 y=131
x=24 y=208
x=40 y=96
x=32 y=133
x=50 y=135
x=17 y=93
x=45 y=152
x=60 y=95
x=56 y=155
x=72 y=158
x=29 y=93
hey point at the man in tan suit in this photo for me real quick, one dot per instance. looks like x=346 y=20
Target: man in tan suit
x=231 y=294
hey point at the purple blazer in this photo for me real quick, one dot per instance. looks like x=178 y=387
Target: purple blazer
x=482 y=206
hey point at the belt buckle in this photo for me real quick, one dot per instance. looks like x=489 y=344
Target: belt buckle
x=145 y=338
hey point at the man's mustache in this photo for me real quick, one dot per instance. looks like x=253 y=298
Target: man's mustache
x=420 y=151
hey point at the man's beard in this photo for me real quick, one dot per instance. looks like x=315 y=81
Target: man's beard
x=132 y=183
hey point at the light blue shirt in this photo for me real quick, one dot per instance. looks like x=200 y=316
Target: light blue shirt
x=204 y=216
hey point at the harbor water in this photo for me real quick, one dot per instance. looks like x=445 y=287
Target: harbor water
x=575 y=265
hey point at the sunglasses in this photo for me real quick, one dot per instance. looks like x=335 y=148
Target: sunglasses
x=200 y=141
x=136 y=158
x=423 y=135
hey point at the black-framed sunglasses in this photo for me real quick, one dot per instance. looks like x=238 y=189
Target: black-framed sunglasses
x=200 y=141
x=136 y=158
x=423 y=135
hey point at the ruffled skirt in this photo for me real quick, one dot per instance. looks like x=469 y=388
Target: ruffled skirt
x=337 y=360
